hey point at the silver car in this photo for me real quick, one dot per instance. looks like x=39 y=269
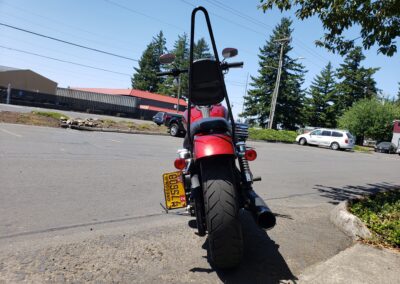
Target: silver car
x=333 y=138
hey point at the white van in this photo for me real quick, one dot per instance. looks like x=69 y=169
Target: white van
x=333 y=138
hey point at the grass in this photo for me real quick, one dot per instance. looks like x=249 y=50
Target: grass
x=363 y=149
x=55 y=115
x=381 y=214
x=273 y=135
x=109 y=123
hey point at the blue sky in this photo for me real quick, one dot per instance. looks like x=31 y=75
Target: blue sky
x=126 y=31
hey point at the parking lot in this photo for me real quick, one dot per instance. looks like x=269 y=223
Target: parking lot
x=65 y=190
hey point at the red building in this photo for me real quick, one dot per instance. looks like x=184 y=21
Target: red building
x=148 y=103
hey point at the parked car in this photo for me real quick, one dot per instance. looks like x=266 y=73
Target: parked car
x=333 y=138
x=159 y=118
x=171 y=120
x=385 y=147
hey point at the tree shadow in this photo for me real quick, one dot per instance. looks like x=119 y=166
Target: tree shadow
x=261 y=263
x=338 y=194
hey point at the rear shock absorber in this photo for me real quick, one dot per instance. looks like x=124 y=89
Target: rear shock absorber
x=243 y=163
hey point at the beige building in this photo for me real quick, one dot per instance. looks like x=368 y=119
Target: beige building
x=26 y=80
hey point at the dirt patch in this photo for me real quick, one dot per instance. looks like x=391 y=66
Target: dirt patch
x=128 y=125
x=28 y=118
x=50 y=119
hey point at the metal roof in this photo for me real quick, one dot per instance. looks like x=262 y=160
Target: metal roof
x=134 y=93
x=6 y=68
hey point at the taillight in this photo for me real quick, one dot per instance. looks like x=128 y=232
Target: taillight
x=250 y=154
x=346 y=141
x=180 y=164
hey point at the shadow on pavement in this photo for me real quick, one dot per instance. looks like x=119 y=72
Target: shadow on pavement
x=262 y=261
x=338 y=194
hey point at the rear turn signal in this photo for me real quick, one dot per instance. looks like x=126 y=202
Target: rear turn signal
x=180 y=164
x=250 y=155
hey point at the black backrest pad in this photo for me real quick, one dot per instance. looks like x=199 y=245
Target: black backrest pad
x=207 y=88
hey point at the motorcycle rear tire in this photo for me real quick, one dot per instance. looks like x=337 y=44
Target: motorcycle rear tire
x=221 y=204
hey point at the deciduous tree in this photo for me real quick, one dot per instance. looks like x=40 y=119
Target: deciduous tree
x=378 y=20
x=370 y=118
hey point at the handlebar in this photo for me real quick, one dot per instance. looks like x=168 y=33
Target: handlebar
x=224 y=66
x=174 y=72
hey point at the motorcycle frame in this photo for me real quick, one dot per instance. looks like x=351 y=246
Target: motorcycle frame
x=220 y=74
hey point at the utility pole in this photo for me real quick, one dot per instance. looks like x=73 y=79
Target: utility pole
x=179 y=91
x=274 y=99
x=245 y=91
x=8 y=93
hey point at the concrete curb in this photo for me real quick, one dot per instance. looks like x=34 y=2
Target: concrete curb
x=113 y=130
x=348 y=223
x=357 y=264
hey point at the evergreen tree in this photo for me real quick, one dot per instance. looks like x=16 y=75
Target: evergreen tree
x=181 y=51
x=288 y=111
x=357 y=82
x=201 y=49
x=321 y=105
x=145 y=77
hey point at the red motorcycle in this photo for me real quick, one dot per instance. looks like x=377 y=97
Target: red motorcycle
x=214 y=180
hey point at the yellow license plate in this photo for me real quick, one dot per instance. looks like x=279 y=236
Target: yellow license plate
x=174 y=190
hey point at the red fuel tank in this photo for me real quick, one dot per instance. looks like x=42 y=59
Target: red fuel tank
x=216 y=111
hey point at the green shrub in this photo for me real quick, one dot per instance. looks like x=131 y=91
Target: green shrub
x=273 y=135
x=381 y=214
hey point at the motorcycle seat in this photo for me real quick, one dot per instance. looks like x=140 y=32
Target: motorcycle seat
x=210 y=125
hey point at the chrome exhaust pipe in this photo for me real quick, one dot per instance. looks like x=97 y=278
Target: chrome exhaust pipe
x=260 y=211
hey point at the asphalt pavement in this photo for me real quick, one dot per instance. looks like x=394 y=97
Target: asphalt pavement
x=66 y=192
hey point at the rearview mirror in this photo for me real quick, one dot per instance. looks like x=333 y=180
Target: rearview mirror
x=167 y=58
x=229 y=52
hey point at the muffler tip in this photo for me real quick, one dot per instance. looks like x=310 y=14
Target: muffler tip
x=266 y=219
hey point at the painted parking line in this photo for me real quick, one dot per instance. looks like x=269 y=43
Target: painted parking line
x=11 y=133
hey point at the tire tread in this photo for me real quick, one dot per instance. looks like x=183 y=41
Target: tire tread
x=222 y=212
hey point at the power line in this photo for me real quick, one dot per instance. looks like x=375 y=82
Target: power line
x=225 y=19
x=238 y=13
x=137 y=12
x=64 y=61
x=230 y=82
x=74 y=33
x=142 y=14
x=53 y=20
x=68 y=42
x=17 y=42
x=259 y=23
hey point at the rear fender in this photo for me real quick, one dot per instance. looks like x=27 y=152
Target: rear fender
x=212 y=145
